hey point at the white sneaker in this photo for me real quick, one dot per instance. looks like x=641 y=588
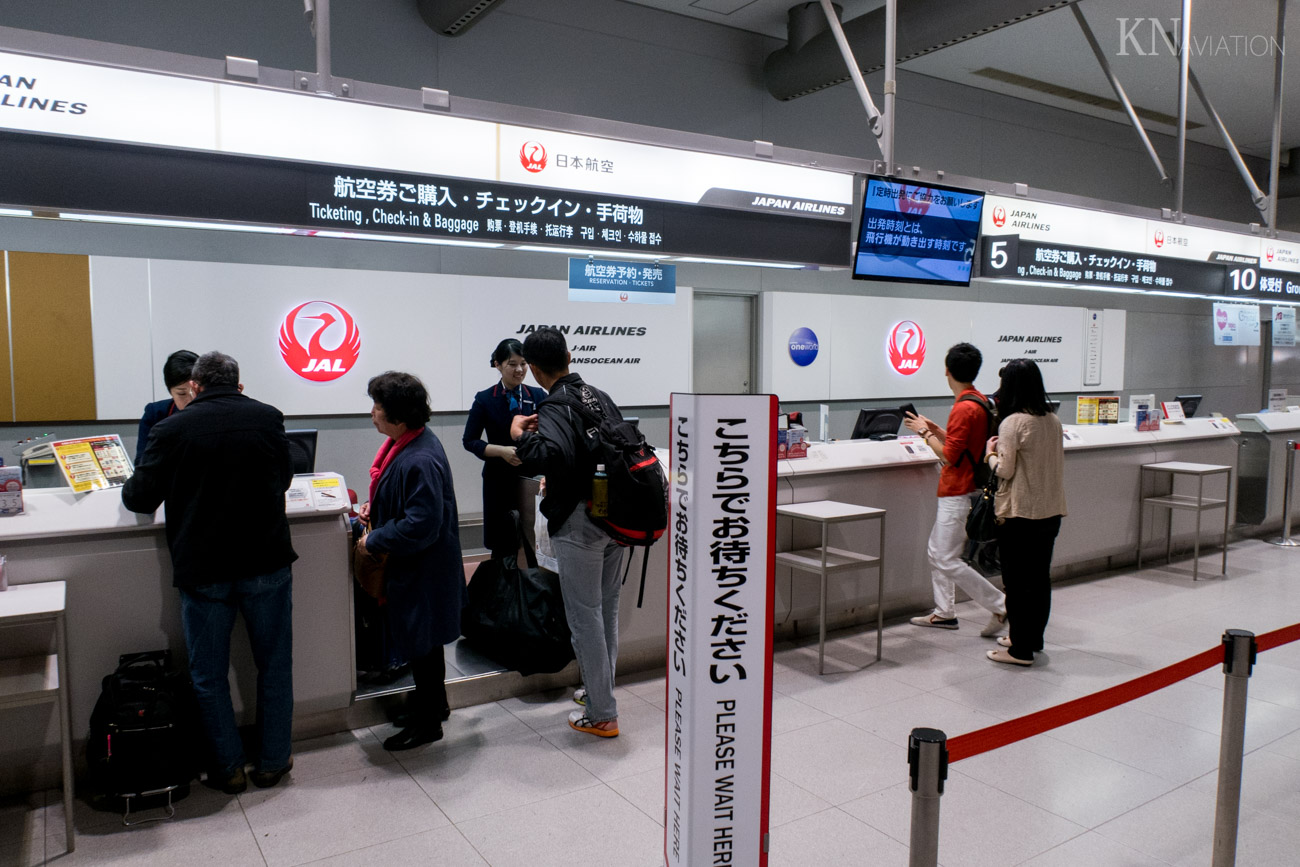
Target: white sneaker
x=580 y=696
x=996 y=624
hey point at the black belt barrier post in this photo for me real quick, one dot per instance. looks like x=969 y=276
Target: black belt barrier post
x=927 y=757
x=1239 y=652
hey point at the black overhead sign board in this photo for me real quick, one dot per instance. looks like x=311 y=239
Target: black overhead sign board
x=1229 y=275
x=70 y=175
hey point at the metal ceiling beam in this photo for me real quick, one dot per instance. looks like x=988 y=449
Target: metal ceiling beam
x=318 y=14
x=891 y=82
x=1275 y=152
x=1256 y=194
x=1119 y=92
x=873 y=113
x=1184 y=68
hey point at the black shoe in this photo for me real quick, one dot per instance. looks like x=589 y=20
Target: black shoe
x=267 y=779
x=232 y=783
x=414 y=736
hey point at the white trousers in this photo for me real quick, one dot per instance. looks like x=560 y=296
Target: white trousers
x=948 y=572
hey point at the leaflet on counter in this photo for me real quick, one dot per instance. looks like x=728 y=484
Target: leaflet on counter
x=93 y=463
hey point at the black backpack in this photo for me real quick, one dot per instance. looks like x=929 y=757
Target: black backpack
x=638 y=488
x=143 y=729
x=980 y=467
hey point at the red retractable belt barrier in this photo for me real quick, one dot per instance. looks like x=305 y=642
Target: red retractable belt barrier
x=992 y=737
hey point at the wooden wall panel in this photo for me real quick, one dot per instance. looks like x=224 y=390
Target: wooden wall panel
x=6 y=379
x=53 y=355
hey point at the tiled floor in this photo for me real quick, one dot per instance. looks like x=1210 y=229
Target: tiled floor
x=511 y=784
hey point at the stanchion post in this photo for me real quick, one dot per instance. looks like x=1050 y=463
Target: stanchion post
x=927 y=757
x=1286 y=541
x=1238 y=659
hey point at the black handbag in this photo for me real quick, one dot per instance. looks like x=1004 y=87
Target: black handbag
x=981 y=549
x=982 y=521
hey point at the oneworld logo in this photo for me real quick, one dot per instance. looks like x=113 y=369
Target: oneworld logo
x=332 y=346
x=532 y=156
x=906 y=347
x=803 y=346
x=999 y=216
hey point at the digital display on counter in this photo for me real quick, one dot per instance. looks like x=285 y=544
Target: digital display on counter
x=917 y=233
x=47 y=172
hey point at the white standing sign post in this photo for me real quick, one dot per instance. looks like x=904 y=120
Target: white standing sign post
x=720 y=606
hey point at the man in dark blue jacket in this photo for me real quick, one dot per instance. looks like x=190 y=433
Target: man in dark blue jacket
x=222 y=468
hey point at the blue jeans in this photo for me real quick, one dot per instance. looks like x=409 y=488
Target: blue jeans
x=589 y=582
x=208 y=615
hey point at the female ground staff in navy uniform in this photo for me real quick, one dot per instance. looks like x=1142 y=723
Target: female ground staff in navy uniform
x=491 y=414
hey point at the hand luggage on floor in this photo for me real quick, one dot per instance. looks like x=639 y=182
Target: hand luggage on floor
x=515 y=617
x=143 y=730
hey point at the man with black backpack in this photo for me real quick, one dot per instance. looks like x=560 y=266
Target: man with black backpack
x=960 y=448
x=561 y=441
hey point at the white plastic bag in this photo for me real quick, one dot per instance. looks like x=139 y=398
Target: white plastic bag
x=545 y=553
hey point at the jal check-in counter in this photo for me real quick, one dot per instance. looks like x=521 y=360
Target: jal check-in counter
x=1262 y=467
x=1102 y=470
x=120 y=599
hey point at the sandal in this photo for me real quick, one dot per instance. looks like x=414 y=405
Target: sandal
x=579 y=721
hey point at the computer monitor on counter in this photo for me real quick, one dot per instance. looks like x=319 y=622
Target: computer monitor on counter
x=1191 y=403
x=302 y=450
x=878 y=424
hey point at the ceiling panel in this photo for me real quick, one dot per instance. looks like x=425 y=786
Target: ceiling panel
x=1046 y=59
x=759 y=16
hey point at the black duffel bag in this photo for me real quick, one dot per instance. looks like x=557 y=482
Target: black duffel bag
x=515 y=617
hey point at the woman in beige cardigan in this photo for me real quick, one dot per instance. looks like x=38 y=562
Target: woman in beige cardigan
x=1028 y=457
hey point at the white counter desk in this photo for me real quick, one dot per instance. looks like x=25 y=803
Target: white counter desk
x=120 y=599
x=1101 y=477
x=1263 y=465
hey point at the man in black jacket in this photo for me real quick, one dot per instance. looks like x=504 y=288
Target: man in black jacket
x=553 y=442
x=222 y=467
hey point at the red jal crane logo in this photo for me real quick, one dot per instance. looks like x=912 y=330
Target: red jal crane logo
x=915 y=200
x=906 y=347
x=999 y=216
x=1159 y=238
x=316 y=361
x=532 y=156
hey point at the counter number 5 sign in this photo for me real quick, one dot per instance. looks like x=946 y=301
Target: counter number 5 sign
x=1000 y=255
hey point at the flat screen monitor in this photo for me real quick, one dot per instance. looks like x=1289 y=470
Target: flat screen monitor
x=1191 y=403
x=302 y=450
x=878 y=424
x=917 y=233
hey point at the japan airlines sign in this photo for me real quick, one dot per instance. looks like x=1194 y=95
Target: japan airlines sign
x=333 y=341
